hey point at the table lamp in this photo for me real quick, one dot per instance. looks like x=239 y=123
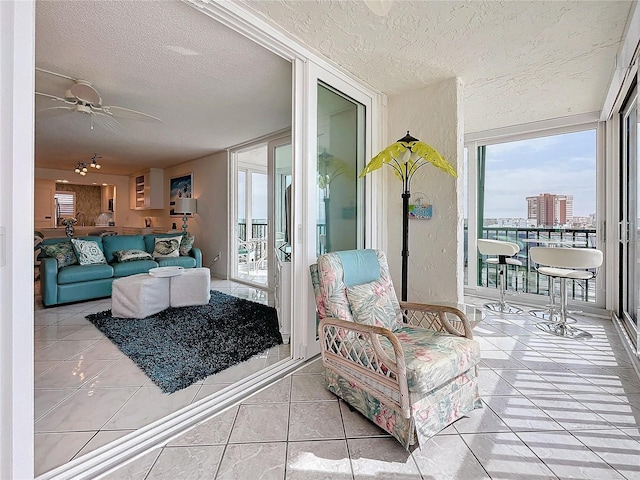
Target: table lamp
x=185 y=206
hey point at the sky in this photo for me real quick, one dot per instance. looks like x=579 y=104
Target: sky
x=560 y=164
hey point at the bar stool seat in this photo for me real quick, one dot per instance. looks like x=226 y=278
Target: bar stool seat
x=565 y=264
x=505 y=252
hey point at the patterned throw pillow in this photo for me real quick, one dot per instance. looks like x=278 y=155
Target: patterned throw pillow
x=131 y=255
x=371 y=304
x=62 y=252
x=186 y=244
x=88 y=252
x=167 y=247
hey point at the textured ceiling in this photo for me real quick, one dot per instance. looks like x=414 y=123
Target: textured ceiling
x=211 y=87
x=520 y=61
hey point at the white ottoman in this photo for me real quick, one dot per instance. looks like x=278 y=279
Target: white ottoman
x=138 y=296
x=193 y=287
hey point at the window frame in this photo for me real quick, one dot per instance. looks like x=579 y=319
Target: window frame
x=532 y=131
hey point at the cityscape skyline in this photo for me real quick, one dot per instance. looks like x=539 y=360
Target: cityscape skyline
x=562 y=164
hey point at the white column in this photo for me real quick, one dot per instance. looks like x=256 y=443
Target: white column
x=433 y=114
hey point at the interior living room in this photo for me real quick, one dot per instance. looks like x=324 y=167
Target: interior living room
x=266 y=113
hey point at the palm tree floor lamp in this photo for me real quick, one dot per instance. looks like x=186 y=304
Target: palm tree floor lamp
x=406 y=156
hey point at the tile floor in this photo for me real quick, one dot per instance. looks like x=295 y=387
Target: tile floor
x=87 y=393
x=553 y=409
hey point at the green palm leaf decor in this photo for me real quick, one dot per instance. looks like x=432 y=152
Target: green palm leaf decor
x=406 y=164
x=406 y=156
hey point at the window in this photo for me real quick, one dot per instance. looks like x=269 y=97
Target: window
x=65 y=204
x=535 y=190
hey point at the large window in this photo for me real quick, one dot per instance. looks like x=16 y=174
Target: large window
x=536 y=191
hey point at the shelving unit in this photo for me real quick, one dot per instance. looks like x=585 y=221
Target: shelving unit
x=147 y=190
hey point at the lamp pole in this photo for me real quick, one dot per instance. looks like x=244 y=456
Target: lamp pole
x=406 y=195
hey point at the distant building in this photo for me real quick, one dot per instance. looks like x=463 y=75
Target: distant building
x=550 y=210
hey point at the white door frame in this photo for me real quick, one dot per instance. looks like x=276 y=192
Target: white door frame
x=17 y=84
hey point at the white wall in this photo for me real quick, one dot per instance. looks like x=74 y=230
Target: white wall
x=433 y=114
x=209 y=224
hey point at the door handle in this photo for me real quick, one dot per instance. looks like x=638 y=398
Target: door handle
x=623 y=232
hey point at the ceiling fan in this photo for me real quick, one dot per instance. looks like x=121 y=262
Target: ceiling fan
x=82 y=97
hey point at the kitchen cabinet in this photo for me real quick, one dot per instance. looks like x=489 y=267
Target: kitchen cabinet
x=44 y=206
x=147 y=190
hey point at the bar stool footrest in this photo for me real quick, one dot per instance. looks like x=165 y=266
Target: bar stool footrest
x=560 y=329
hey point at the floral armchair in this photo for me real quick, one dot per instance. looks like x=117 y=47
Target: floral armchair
x=410 y=368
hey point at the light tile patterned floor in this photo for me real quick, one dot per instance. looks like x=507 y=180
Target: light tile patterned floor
x=553 y=408
x=88 y=394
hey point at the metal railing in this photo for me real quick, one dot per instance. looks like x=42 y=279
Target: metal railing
x=526 y=278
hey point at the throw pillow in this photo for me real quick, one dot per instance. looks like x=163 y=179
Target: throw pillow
x=62 y=252
x=131 y=255
x=88 y=252
x=167 y=247
x=371 y=304
x=186 y=244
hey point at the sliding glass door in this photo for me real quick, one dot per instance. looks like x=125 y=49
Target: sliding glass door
x=340 y=160
x=629 y=233
x=251 y=212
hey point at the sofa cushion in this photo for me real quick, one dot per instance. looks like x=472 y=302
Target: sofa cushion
x=150 y=239
x=63 y=252
x=121 y=242
x=186 y=244
x=131 y=255
x=185 y=262
x=82 y=273
x=166 y=247
x=88 y=252
x=433 y=358
x=132 y=268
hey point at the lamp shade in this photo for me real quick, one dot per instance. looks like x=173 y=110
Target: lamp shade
x=185 y=205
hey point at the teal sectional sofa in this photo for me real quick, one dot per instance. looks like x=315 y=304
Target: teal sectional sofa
x=73 y=283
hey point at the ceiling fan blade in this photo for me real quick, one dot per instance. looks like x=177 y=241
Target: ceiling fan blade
x=57 y=99
x=107 y=122
x=131 y=114
x=54 y=73
x=52 y=112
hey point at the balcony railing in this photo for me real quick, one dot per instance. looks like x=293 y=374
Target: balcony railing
x=526 y=278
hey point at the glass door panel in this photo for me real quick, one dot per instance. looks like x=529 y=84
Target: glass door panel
x=340 y=224
x=629 y=222
x=250 y=259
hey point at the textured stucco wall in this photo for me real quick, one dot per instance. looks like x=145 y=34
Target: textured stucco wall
x=433 y=114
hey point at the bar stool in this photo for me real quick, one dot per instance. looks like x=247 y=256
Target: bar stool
x=565 y=264
x=504 y=251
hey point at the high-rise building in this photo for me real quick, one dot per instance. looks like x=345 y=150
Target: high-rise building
x=550 y=210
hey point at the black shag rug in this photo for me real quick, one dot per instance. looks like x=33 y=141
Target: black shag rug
x=180 y=346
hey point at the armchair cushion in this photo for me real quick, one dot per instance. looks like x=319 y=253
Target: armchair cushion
x=433 y=358
x=371 y=304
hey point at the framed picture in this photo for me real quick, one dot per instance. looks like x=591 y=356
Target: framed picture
x=179 y=187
